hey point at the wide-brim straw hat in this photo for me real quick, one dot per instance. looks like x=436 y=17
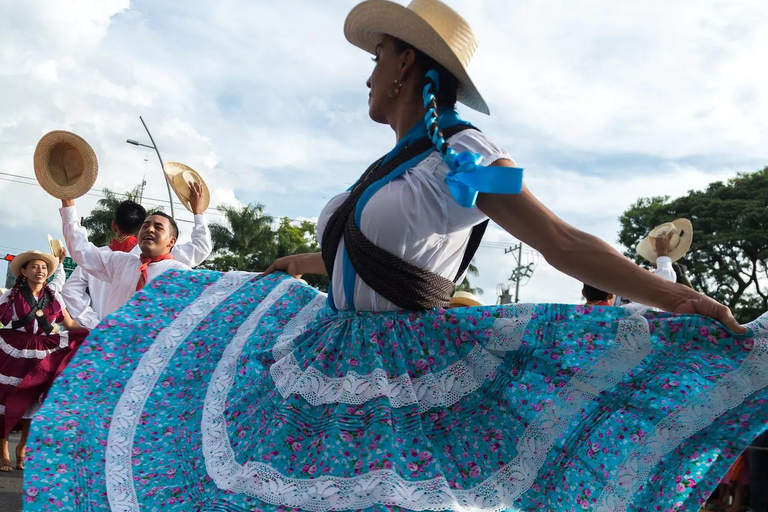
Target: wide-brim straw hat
x=19 y=260
x=65 y=165
x=180 y=176
x=464 y=299
x=682 y=237
x=428 y=25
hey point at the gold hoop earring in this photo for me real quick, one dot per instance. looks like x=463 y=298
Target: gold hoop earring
x=393 y=91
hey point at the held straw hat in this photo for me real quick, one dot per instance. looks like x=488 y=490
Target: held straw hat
x=180 y=177
x=19 y=261
x=65 y=165
x=56 y=245
x=682 y=236
x=461 y=299
x=428 y=25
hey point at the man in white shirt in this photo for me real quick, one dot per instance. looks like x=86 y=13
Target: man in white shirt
x=125 y=272
x=86 y=296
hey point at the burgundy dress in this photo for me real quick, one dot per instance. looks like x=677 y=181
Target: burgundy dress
x=33 y=351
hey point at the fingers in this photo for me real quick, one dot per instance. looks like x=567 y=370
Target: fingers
x=728 y=320
x=270 y=269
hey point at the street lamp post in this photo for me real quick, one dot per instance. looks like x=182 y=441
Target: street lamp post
x=162 y=166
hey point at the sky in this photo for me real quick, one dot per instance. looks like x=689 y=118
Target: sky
x=601 y=102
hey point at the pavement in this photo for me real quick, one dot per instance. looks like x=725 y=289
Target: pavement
x=11 y=483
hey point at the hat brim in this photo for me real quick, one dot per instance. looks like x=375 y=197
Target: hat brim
x=173 y=172
x=18 y=261
x=83 y=183
x=464 y=301
x=646 y=251
x=369 y=20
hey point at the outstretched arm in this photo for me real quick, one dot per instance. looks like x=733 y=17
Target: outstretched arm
x=590 y=260
x=298 y=264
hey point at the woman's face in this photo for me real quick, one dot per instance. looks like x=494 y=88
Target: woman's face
x=388 y=68
x=36 y=271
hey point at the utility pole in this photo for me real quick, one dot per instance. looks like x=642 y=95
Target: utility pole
x=521 y=271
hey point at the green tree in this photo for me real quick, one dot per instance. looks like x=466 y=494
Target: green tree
x=99 y=222
x=728 y=259
x=251 y=240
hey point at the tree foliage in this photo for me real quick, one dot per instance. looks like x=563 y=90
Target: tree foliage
x=251 y=240
x=728 y=259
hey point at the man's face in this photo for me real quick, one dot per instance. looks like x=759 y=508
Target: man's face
x=156 y=236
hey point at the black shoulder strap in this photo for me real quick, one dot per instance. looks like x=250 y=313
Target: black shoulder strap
x=400 y=282
x=34 y=307
x=475 y=237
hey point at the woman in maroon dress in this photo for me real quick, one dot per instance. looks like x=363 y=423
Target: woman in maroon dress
x=37 y=342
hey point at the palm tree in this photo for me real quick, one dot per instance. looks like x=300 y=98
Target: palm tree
x=465 y=285
x=246 y=242
x=99 y=222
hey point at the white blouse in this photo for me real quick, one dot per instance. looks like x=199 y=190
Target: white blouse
x=415 y=218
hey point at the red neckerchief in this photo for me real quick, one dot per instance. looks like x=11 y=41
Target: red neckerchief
x=124 y=243
x=145 y=263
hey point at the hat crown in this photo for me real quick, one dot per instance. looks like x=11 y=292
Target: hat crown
x=449 y=25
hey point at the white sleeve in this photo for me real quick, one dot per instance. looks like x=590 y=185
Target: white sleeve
x=664 y=269
x=77 y=301
x=195 y=252
x=59 y=277
x=5 y=295
x=100 y=264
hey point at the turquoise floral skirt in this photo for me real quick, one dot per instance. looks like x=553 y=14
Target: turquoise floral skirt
x=234 y=392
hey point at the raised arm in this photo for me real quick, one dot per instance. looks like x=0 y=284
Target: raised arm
x=100 y=264
x=195 y=252
x=664 y=267
x=59 y=278
x=590 y=260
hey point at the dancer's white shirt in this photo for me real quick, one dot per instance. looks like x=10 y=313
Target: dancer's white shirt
x=89 y=308
x=120 y=270
x=416 y=218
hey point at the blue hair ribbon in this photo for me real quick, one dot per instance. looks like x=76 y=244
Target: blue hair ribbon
x=467 y=177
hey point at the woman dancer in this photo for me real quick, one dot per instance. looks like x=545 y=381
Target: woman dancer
x=242 y=392
x=34 y=346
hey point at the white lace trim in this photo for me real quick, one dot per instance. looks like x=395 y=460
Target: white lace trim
x=298 y=324
x=10 y=381
x=731 y=390
x=497 y=492
x=440 y=389
x=33 y=353
x=217 y=450
x=122 y=429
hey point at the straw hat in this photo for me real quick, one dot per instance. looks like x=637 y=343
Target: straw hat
x=65 y=165
x=461 y=299
x=429 y=25
x=56 y=245
x=19 y=261
x=180 y=176
x=682 y=236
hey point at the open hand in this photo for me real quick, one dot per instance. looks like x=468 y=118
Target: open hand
x=700 y=304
